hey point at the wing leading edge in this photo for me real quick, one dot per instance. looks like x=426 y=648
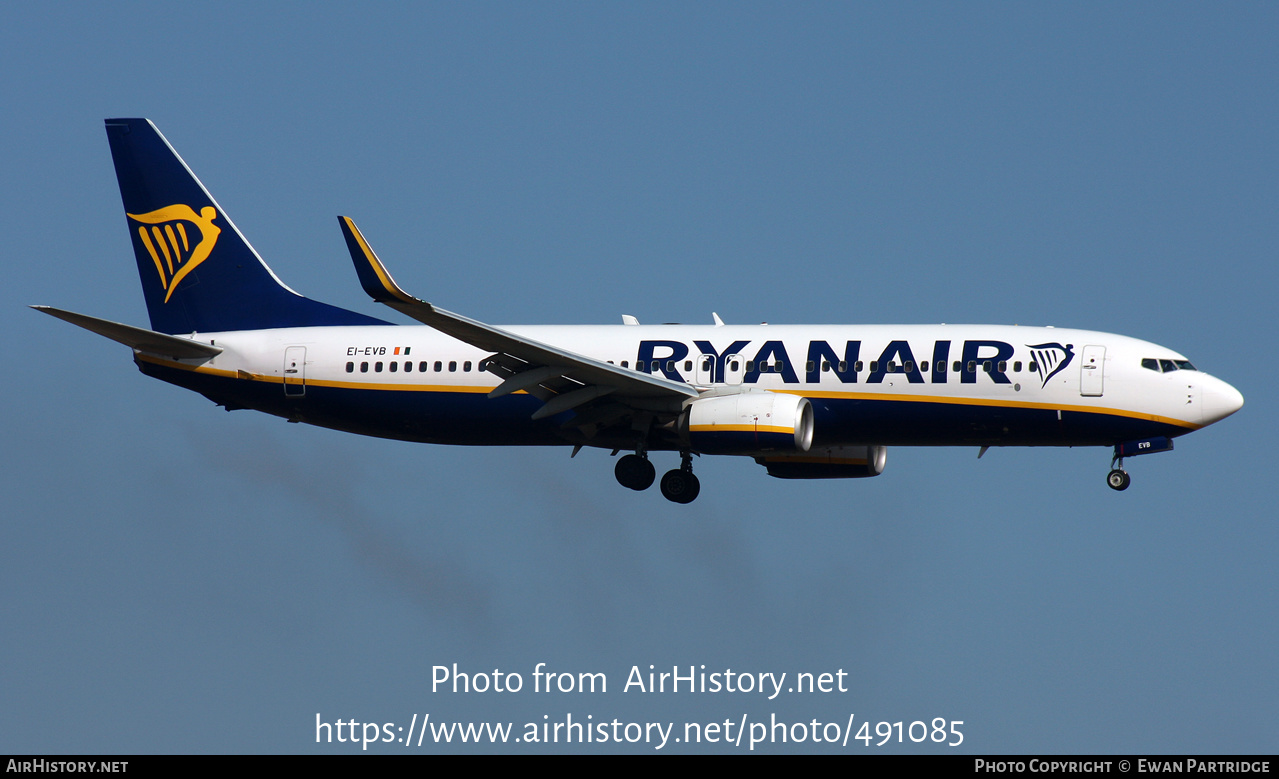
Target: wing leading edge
x=562 y=379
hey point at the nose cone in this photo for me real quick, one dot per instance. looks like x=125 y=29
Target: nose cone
x=1220 y=400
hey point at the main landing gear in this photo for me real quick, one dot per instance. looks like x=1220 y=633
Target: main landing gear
x=634 y=471
x=680 y=485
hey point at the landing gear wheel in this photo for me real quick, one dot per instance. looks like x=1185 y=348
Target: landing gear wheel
x=1118 y=480
x=680 y=486
x=635 y=472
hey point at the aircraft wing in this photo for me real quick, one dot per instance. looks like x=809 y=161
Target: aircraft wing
x=571 y=378
x=143 y=340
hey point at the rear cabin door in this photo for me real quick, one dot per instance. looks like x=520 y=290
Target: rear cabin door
x=295 y=371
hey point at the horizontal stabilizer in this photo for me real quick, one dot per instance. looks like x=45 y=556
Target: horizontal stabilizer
x=138 y=338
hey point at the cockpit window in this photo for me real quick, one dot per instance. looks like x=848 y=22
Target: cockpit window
x=1166 y=366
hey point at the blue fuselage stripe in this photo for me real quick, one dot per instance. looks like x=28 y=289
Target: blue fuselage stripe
x=445 y=417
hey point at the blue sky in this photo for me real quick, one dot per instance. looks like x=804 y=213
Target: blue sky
x=176 y=578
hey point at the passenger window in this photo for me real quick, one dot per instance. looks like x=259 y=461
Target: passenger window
x=706 y=365
x=985 y=366
x=908 y=366
x=422 y=366
x=394 y=367
x=466 y=367
x=779 y=366
x=941 y=366
x=408 y=366
x=1017 y=366
x=350 y=367
x=377 y=367
x=810 y=366
x=670 y=365
x=972 y=366
x=688 y=365
x=452 y=366
x=857 y=367
x=639 y=365
x=1003 y=365
x=626 y=363
x=439 y=367
x=1034 y=367
x=957 y=366
x=364 y=367
x=874 y=365
x=732 y=366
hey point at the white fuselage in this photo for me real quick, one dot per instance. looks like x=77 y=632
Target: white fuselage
x=891 y=384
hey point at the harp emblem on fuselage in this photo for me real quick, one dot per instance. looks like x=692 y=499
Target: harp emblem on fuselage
x=1052 y=358
x=174 y=246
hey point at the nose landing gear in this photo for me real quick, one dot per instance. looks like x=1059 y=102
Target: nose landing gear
x=1118 y=478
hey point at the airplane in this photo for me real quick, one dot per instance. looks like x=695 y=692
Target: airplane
x=804 y=401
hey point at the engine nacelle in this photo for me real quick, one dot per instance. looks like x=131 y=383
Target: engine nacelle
x=830 y=462
x=748 y=423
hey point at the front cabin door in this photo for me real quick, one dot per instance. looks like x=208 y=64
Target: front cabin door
x=1090 y=371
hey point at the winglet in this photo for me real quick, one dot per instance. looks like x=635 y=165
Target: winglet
x=374 y=277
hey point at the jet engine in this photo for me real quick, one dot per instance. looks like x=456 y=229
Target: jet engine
x=748 y=423
x=829 y=462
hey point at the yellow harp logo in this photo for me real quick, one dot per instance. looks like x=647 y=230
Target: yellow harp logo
x=173 y=249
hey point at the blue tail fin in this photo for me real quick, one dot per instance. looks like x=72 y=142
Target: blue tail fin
x=198 y=272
